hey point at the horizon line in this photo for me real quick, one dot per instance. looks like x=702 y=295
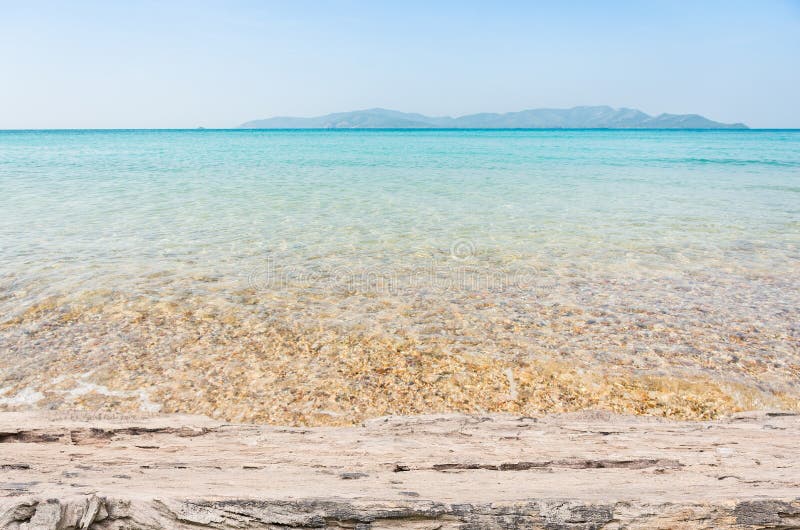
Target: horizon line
x=344 y=129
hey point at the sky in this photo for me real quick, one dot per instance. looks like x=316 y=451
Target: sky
x=175 y=64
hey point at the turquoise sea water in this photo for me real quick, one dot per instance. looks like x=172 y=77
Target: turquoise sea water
x=213 y=200
x=699 y=231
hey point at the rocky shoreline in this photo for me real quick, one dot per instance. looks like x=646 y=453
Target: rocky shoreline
x=576 y=471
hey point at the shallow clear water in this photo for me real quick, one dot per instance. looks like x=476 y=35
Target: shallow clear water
x=82 y=209
x=699 y=228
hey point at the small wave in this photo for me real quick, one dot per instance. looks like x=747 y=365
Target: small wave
x=725 y=161
x=790 y=189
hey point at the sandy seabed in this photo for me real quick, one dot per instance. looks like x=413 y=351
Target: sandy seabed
x=290 y=358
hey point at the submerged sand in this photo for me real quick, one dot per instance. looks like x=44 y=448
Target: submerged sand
x=241 y=362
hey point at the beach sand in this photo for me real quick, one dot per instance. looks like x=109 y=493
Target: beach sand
x=575 y=471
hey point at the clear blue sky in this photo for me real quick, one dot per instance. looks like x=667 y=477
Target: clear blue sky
x=216 y=64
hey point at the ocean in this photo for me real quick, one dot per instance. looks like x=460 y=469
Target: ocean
x=325 y=276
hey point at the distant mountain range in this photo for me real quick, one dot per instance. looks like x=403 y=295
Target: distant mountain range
x=600 y=117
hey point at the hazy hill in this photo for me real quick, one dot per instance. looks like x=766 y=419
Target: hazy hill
x=600 y=117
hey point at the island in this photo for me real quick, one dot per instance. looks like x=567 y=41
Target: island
x=596 y=117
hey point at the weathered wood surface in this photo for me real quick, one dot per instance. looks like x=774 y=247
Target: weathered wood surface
x=588 y=470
